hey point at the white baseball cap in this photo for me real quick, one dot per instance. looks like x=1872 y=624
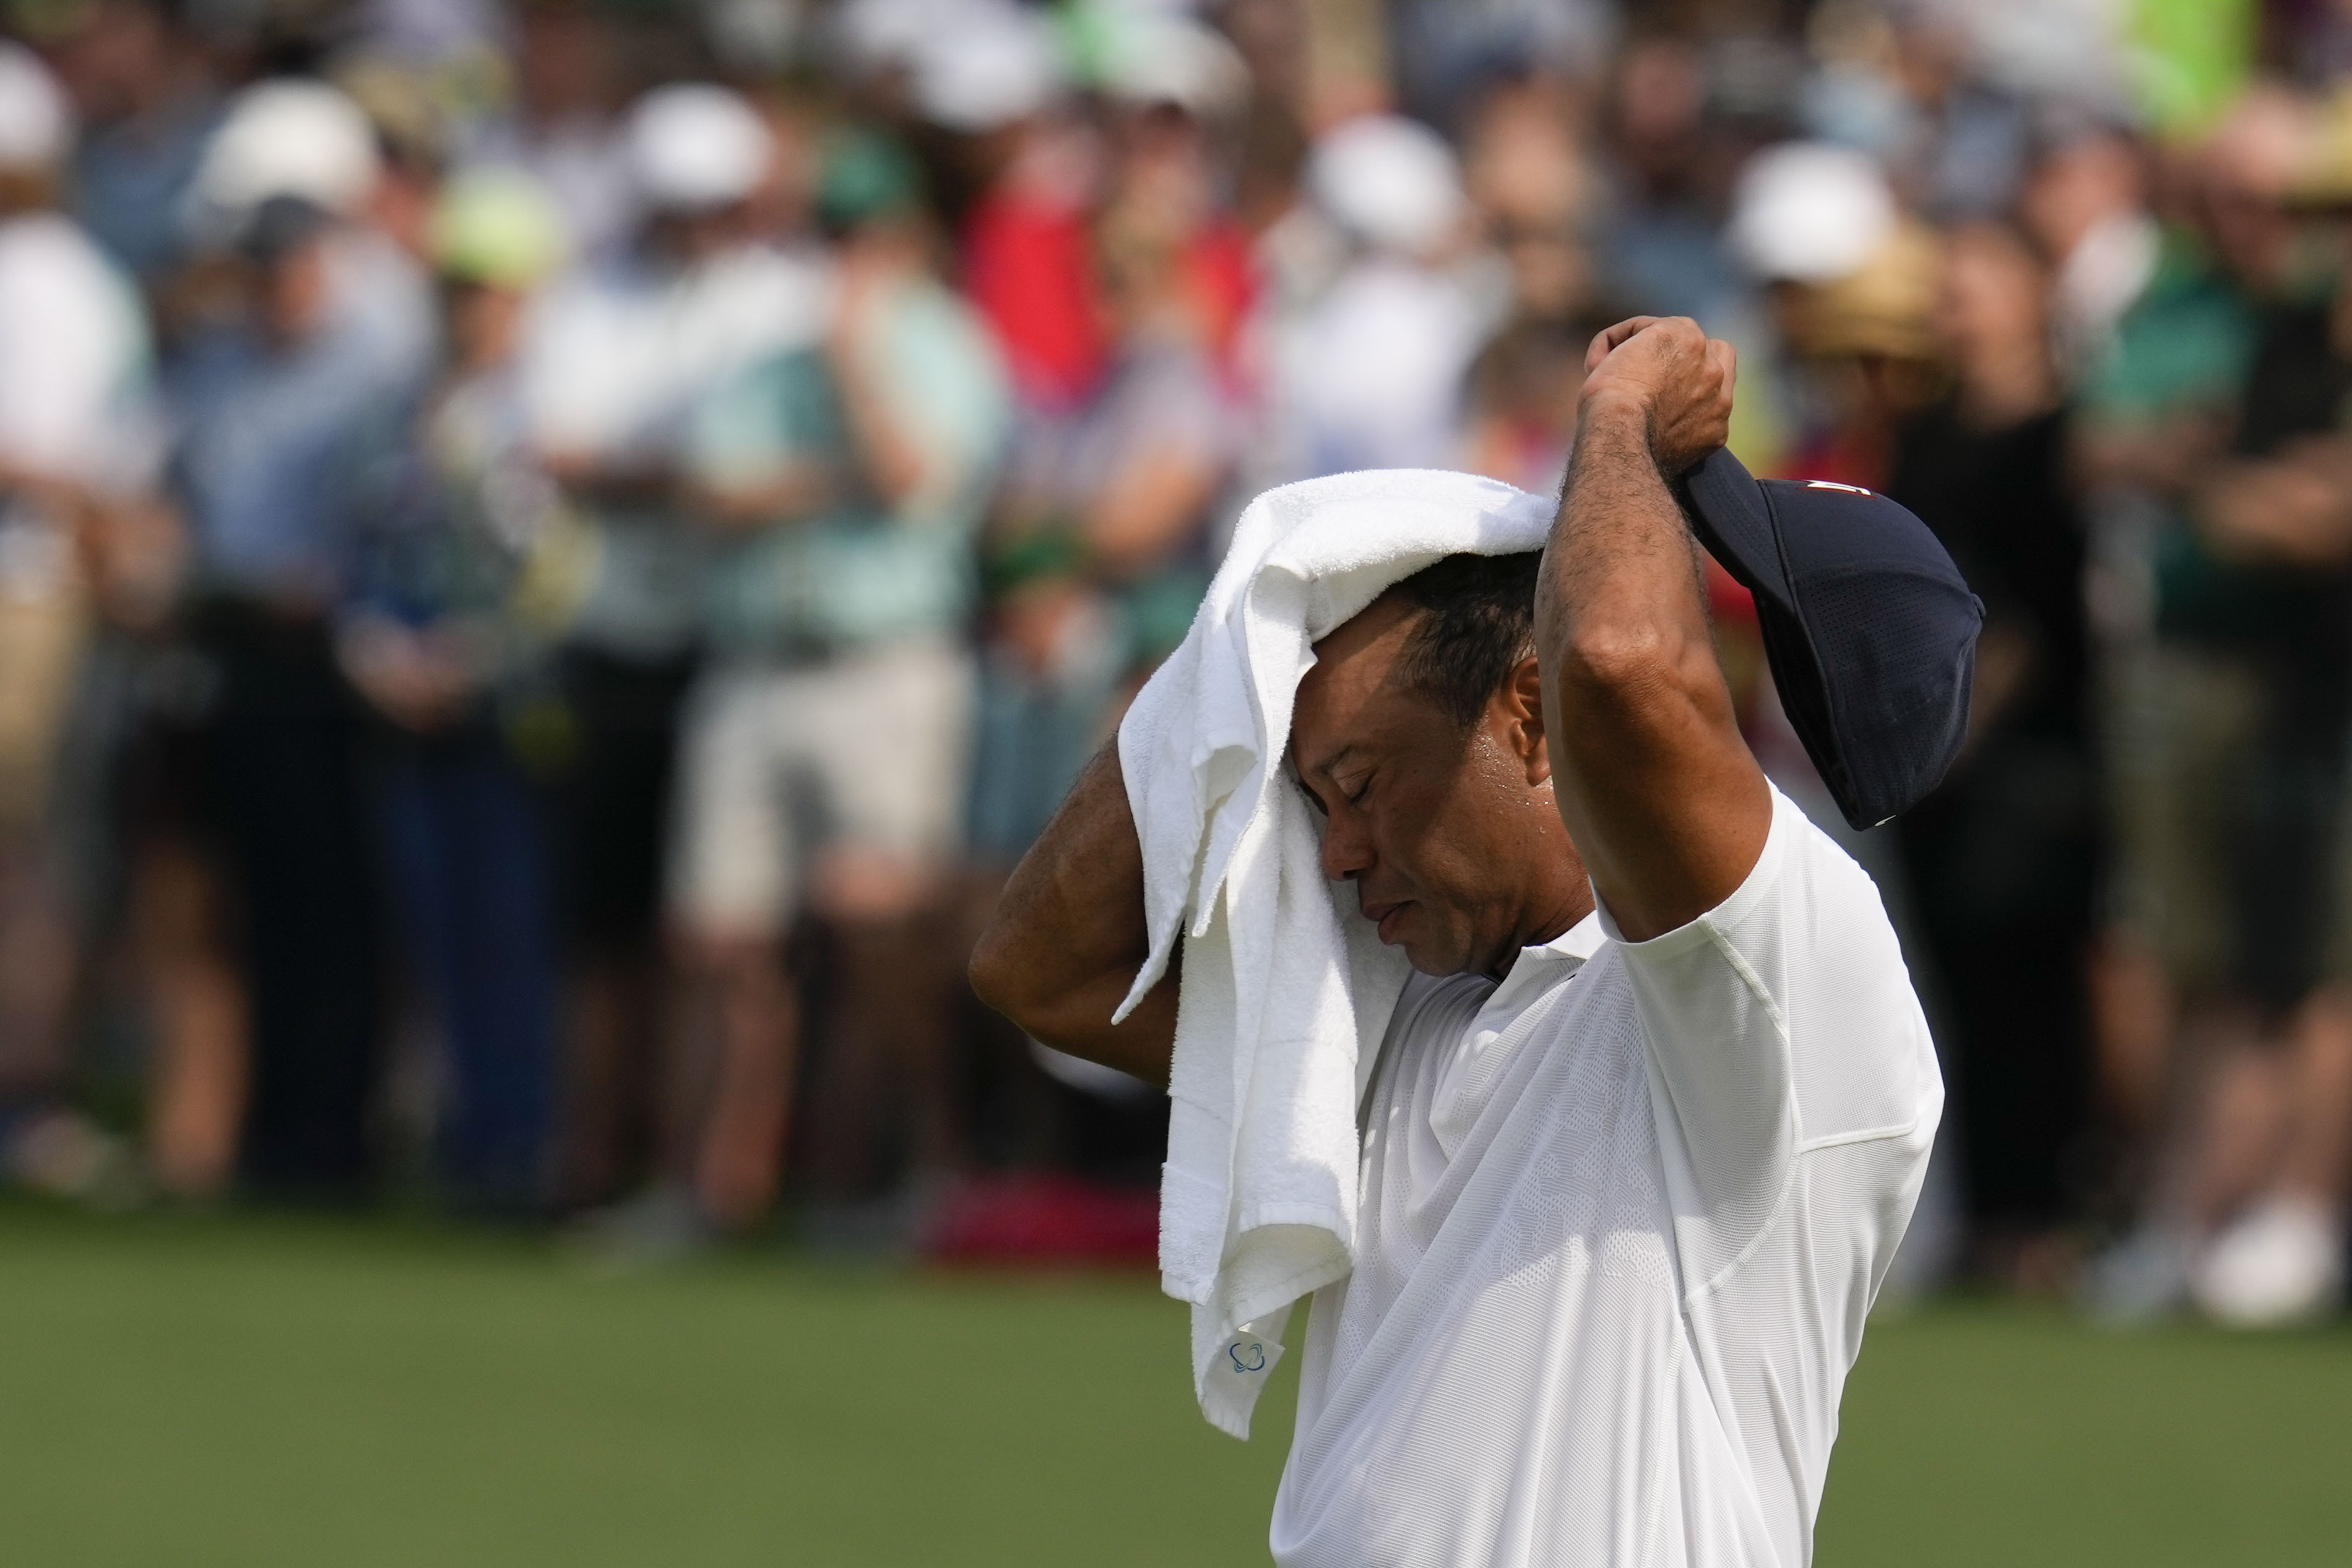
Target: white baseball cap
x=694 y=146
x=287 y=137
x=986 y=66
x=36 y=121
x=1392 y=182
x=1811 y=211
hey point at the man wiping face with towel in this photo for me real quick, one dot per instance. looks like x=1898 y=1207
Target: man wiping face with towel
x=1638 y=1135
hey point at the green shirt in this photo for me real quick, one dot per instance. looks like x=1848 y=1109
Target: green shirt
x=2184 y=348
x=860 y=571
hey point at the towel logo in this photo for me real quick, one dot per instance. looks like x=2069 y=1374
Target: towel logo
x=1256 y=1352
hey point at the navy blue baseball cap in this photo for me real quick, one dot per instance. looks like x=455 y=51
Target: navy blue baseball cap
x=1871 y=632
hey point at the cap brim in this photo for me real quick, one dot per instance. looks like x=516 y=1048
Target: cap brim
x=1733 y=520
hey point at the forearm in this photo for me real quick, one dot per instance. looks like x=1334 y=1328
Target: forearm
x=1620 y=571
x=893 y=464
x=796 y=491
x=1068 y=934
x=1653 y=779
x=138 y=553
x=2296 y=507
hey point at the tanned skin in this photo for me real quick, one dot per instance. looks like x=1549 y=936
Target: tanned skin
x=1450 y=834
x=1610 y=760
x=1068 y=934
x=1656 y=786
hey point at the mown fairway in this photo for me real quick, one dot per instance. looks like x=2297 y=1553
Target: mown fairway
x=255 y=1393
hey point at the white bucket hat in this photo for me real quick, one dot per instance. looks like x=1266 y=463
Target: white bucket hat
x=1811 y=211
x=1390 y=182
x=289 y=137
x=695 y=146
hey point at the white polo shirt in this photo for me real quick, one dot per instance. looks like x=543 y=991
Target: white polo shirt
x=1623 y=1217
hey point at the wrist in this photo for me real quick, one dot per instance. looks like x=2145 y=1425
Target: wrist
x=1618 y=411
x=1617 y=421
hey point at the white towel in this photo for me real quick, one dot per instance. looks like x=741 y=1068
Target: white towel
x=1286 y=990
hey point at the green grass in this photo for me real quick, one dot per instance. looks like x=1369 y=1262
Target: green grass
x=1979 y=1434
x=260 y=1392
x=251 y=1394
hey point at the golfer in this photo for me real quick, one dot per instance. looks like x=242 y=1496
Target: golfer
x=1653 y=1112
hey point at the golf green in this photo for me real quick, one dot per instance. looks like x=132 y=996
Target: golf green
x=261 y=1392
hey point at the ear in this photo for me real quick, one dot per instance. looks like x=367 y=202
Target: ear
x=1520 y=702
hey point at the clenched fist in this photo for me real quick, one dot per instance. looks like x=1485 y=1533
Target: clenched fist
x=1674 y=376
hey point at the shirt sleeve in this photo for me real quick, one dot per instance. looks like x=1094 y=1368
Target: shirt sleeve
x=1780 y=1022
x=935 y=364
x=73 y=353
x=592 y=379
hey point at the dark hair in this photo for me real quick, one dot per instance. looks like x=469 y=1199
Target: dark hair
x=281 y=226
x=1478 y=622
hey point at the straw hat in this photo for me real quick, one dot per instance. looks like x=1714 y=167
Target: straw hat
x=1884 y=308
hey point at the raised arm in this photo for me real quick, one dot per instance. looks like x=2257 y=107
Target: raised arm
x=1659 y=792
x=1068 y=934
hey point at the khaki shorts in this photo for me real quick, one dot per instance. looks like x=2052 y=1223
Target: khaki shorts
x=2209 y=817
x=41 y=640
x=780 y=764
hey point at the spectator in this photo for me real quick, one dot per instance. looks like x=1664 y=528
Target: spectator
x=2003 y=861
x=1028 y=266
x=2220 y=403
x=2085 y=202
x=274 y=403
x=449 y=506
x=1661 y=251
x=1535 y=189
x=76 y=451
x=620 y=355
x=823 y=762
x=1370 y=375
x=570 y=83
x=142 y=80
x=1103 y=543
x=1522 y=400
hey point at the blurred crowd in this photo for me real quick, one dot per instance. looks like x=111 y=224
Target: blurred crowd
x=554 y=552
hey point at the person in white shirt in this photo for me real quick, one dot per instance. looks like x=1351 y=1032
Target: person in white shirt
x=1370 y=374
x=82 y=542
x=622 y=360
x=1651 y=1118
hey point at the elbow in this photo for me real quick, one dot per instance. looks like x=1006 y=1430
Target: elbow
x=986 y=970
x=995 y=976
x=1639 y=679
x=1620 y=665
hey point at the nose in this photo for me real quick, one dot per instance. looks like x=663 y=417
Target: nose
x=1346 y=844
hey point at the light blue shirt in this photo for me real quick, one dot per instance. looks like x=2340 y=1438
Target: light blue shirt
x=270 y=438
x=860 y=571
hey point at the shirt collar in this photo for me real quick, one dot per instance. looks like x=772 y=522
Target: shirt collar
x=1547 y=962
x=1578 y=942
